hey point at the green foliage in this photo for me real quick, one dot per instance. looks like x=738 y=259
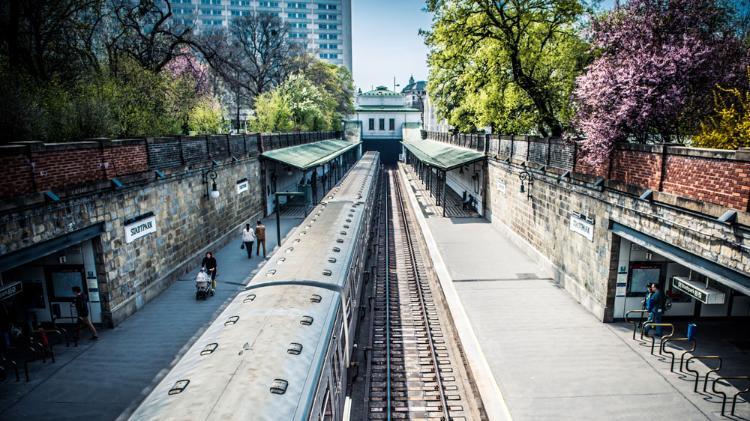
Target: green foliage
x=729 y=127
x=508 y=65
x=336 y=81
x=206 y=117
x=296 y=104
x=272 y=113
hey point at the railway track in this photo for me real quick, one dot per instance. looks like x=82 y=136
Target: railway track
x=416 y=369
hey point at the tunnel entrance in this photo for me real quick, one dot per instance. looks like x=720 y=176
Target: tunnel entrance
x=389 y=149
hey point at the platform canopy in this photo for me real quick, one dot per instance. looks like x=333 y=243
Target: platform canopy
x=310 y=155
x=442 y=155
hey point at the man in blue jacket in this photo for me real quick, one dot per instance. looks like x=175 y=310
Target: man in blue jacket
x=655 y=306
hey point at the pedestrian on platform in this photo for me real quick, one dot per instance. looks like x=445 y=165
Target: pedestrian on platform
x=209 y=264
x=260 y=235
x=82 y=309
x=248 y=237
x=655 y=306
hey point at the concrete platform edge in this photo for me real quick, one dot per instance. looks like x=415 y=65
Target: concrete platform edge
x=492 y=399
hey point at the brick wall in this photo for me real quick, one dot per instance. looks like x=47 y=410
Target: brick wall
x=720 y=177
x=710 y=180
x=17 y=177
x=637 y=167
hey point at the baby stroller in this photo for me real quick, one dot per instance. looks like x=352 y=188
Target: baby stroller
x=203 y=285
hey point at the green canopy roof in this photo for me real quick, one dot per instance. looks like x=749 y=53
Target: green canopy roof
x=442 y=155
x=310 y=155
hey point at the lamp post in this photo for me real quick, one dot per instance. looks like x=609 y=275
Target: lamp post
x=278 y=211
x=525 y=175
x=211 y=173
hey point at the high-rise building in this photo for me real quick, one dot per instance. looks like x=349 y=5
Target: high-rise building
x=323 y=26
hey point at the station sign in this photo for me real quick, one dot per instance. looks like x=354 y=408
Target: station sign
x=582 y=225
x=500 y=186
x=243 y=186
x=139 y=226
x=698 y=290
x=13 y=288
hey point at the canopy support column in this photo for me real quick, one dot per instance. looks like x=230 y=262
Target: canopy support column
x=445 y=187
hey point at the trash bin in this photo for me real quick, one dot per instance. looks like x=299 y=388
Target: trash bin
x=691 y=331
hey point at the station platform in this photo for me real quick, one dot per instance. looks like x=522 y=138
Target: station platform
x=106 y=379
x=535 y=352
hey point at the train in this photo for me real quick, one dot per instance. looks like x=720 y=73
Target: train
x=282 y=347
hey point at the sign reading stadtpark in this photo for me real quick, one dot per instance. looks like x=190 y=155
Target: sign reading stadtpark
x=698 y=290
x=140 y=227
x=582 y=226
x=243 y=186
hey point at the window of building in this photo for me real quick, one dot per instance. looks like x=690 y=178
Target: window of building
x=325 y=16
x=328 y=46
x=371 y=124
x=240 y=2
x=216 y=2
x=381 y=124
x=268 y=4
x=297 y=15
x=297 y=35
x=391 y=124
x=211 y=12
x=328 y=26
x=329 y=55
x=326 y=6
x=296 y=5
x=328 y=36
x=297 y=25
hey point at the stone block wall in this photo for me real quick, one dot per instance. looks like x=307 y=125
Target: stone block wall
x=188 y=222
x=539 y=221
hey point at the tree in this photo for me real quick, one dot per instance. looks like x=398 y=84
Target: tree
x=658 y=62
x=252 y=56
x=517 y=56
x=206 y=117
x=334 y=80
x=296 y=104
x=729 y=127
x=144 y=31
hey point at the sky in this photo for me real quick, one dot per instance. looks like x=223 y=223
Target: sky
x=386 y=43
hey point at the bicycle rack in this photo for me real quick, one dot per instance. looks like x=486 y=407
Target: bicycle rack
x=724 y=395
x=653 y=338
x=640 y=320
x=663 y=350
x=697 y=374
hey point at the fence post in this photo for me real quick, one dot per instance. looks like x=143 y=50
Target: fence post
x=575 y=156
x=549 y=149
x=663 y=173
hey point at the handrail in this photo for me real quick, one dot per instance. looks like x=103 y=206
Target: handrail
x=697 y=374
x=663 y=350
x=724 y=395
x=640 y=320
x=653 y=338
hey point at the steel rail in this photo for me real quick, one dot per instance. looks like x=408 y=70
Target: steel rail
x=412 y=256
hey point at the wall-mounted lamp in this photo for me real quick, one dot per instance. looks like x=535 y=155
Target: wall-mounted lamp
x=214 y=192
x=117 y=184
x=524 y=176
x=288 y=170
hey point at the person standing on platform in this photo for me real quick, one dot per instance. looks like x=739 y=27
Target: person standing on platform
x=655 y=306
x=82 y=309
x=260 y=235
x=248 y=237
x=209 y=263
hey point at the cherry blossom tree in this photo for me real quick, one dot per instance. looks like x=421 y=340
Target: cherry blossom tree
x=657 y=64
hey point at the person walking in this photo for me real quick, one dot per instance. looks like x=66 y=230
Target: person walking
x=209 y=263
x=248 y=237
x=82 y=309
x=260 y=235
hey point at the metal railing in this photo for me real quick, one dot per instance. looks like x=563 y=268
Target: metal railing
x=640 y=321
x=708 y=373
x=724 y=395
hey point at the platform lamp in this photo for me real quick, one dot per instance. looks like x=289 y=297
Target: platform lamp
x=524 y=176
x=211 y=173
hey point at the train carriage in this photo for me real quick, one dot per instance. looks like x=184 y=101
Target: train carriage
x=281 y=348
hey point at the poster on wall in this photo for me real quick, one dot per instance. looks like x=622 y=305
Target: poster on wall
x=139 y=226
x=242 y=186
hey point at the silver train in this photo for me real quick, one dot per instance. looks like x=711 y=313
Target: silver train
x=281 y=348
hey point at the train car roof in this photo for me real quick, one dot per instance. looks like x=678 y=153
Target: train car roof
x=260 y=360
